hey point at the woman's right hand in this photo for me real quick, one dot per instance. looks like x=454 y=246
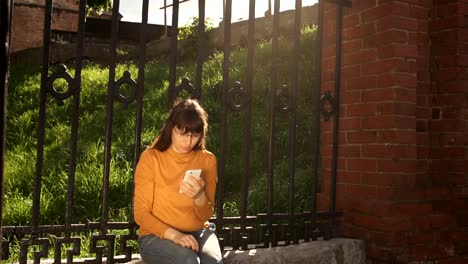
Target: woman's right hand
x=184 y=240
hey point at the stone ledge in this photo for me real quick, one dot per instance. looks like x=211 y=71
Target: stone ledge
x=333 y=251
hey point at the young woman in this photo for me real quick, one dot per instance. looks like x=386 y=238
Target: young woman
x=173 y=212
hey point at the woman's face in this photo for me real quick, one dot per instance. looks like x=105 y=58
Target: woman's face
x=183 y=142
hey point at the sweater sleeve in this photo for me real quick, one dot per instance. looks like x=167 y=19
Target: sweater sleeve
x=210 y=176
x=144 y=196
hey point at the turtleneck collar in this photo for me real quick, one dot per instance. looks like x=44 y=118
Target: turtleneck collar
x=181 y=156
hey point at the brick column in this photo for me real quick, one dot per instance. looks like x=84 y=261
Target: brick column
x=402 y=166
x=447 y=128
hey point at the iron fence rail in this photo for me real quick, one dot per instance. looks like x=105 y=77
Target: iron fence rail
x=6 y=8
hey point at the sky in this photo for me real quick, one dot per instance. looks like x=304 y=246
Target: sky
x=131 y=10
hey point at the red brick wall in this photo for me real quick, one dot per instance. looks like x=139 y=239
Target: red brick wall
x=403 y=128
x=27 y=29
x=448 y=123
x=28 y=22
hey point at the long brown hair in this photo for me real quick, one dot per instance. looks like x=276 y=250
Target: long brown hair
x=187 y=116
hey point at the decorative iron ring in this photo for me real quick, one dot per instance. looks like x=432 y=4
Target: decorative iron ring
x=187 y=86
x=236 y=92
x=125 y=79
x=327 y=113
x=281 y=93
x=60 y=74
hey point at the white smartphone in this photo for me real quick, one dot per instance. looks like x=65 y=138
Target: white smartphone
x=196 y=173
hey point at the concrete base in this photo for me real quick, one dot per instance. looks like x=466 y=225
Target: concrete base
x=334 y=251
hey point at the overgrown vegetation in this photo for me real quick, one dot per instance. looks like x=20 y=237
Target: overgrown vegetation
x=23 y=108
x=98 y=6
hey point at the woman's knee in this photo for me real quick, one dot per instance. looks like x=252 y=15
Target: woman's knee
x=156 y=250
x=186 y=256
x=210 y=252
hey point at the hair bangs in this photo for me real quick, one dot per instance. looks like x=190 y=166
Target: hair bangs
x=189 y=122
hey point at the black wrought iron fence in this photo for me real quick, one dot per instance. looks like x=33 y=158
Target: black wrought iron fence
x=285 y=100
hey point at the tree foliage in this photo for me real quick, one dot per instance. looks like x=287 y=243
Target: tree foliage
x=189 y=35
x=98 y=6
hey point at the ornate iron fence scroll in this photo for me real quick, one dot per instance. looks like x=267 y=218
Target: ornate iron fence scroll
x=253 y=226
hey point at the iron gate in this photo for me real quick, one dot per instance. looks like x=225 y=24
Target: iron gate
x=265 y=228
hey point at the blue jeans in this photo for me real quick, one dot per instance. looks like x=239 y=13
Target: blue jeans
x=154 y=250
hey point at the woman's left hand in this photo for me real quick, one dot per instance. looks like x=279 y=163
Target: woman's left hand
x=192 y=188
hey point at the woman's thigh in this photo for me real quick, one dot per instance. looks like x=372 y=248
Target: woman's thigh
x=162 y=251
x=210 y=252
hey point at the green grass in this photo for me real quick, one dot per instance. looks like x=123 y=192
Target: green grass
x=23 y=109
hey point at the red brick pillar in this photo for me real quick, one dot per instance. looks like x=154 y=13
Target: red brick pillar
x=447 y=128
x=402 y=155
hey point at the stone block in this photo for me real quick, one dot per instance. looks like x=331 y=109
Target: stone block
x=334 y=251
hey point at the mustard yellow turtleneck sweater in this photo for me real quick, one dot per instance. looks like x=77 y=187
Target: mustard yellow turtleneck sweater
x=158 y=204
